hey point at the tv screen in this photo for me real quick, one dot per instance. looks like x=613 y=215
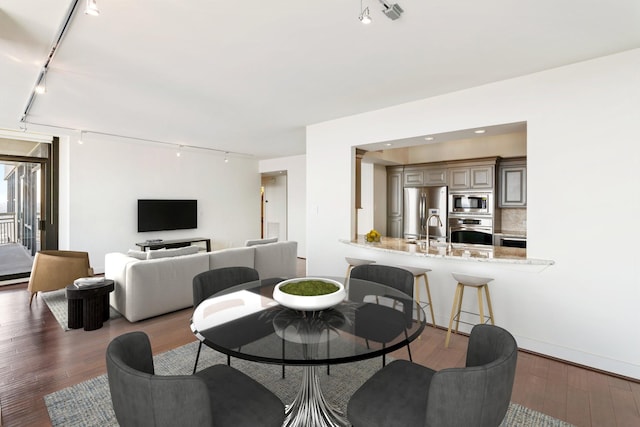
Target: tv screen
x=157 y=215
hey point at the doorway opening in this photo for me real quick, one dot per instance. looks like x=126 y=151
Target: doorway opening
x=26 y=205
x=273 y=212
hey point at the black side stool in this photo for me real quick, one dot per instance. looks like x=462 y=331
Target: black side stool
x=88 y=306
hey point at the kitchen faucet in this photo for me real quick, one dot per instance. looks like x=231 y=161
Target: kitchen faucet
x=426 y=226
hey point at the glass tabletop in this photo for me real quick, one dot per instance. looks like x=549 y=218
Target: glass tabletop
x=246 y=322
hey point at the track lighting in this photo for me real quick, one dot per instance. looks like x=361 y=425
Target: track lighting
x=80 y=140
x=41 y=87
x=179 y=152
x=392 y=11
x=91 y=8
x=364 y=14
x=226 y=157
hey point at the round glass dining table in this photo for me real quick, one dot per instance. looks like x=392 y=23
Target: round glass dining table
x=245 y=321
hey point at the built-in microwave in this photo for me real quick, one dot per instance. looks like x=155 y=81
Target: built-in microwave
x=470 y=203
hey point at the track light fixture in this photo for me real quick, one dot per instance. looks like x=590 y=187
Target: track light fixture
x=226 y=157
x=364 y=14
x=41 y=87
x=393 y=11
x=91 y=8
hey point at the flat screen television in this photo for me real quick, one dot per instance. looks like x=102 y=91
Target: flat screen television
x=165 y=214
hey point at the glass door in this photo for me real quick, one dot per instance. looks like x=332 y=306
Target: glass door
x=25 y=172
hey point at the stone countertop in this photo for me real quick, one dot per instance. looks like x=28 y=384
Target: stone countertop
x=478 y=253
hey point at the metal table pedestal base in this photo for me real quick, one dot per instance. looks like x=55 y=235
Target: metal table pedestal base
x=310 y=408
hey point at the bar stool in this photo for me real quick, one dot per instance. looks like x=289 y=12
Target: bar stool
x=476 y=282
x=355 y=262
x=419 y=272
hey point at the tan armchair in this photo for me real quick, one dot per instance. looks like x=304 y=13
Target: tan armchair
x=54 y=270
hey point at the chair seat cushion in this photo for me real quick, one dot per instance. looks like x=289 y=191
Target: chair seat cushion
x=389 y=397
x=230 y=404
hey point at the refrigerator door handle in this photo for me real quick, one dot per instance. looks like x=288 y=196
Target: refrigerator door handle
x=423 y=207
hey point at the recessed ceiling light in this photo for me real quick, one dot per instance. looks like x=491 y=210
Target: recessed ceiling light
x=388 y=144
x=429 y=138
x=479 y=131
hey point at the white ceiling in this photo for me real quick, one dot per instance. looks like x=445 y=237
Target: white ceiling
x=247 y=76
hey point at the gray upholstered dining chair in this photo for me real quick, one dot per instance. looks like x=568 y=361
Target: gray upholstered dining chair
x=397 y=278
x=407 y=394
x=213 y=281
x=219 y=395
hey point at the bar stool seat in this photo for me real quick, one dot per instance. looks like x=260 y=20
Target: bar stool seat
x=353 y=262
x=419 y=272
x=477 y=282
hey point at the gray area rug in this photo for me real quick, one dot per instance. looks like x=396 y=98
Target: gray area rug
x=89 y=403
x=57 y=303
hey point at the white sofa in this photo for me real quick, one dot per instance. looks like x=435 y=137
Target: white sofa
x=150 y=287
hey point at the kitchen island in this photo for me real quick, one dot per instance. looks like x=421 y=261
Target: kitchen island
x=477 y=253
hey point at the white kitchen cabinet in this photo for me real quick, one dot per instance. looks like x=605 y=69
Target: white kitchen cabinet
x=394 y=201
x=471 y=178
x=513 y=183
x=425 y=175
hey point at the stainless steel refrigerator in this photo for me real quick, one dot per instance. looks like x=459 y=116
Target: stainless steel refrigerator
x=420 y=203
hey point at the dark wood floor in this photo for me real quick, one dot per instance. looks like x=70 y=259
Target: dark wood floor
x=37 y=358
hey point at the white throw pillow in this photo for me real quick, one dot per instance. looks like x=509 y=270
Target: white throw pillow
x=137 y=254
x=168 y=253
x=260 y=241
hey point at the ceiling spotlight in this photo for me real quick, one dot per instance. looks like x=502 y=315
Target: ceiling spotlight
x=392 y=11
x=80 y=140
x=429 y=138
x=179 y=153
x=91 y=8
x=479 y=131
x=364 y=16
x=42 y=84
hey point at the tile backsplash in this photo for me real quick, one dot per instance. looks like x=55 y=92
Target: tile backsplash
x=514 y=219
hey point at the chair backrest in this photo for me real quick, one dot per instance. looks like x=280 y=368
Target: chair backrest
x=210 y=282
x=395 y=277
x=56 y=269
x=478 y=394
x=141 y=398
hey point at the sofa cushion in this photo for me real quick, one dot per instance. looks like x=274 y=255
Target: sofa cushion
x=161 y=285
x=168 y=253
x=232 y=257
x=137 y=254
x=260 y=241
x=276 y=259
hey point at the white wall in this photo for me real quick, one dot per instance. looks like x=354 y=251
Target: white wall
x=296 y=169
x=102 y=179
x=581 y=146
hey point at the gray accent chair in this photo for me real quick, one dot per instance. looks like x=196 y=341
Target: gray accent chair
x=219 y=395
x=213 y=281
x=406 y=394
x=368 y=326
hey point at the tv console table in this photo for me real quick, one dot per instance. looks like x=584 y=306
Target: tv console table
x=175 y=243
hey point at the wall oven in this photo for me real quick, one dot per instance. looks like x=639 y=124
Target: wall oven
x=470 y=203
x=469 y=230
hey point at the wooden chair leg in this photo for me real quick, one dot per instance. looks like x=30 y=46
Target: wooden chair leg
x=486 y=291
x=459 y=306
x=426 y=283
x=480 y=305
x=453 y=314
